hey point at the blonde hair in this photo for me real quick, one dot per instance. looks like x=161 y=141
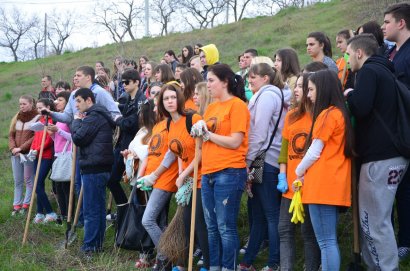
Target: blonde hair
x=262 y=59
x=205 y=97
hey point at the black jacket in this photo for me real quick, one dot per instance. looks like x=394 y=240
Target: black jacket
x=129 y=122
x=374 y=90
x=401 y=63
x=93 y=135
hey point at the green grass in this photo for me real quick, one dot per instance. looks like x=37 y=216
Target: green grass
x=288 y=28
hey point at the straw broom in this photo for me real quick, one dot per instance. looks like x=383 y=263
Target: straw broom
x=173 y=242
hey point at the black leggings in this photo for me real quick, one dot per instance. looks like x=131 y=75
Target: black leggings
x=63 y=197
x=201 y=232
x=114 y=183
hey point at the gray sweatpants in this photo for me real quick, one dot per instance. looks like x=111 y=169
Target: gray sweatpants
x=377 y=189
x=22 y=173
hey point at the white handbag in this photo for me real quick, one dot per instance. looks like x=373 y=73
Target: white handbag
x=61 y=169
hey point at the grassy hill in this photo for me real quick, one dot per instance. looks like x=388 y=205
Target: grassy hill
x=288 y=28
x=267 y=34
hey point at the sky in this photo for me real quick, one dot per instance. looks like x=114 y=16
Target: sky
x=39 y=7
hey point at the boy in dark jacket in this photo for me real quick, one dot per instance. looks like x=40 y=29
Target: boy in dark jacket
x=92 y=131
x=128 y=124
x=382 y=166
x=396 y=28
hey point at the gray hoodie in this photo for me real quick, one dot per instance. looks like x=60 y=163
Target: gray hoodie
x=102 y=97
x=264 y=115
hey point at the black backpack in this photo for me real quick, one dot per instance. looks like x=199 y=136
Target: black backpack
x=401 y=139
x=188 y=122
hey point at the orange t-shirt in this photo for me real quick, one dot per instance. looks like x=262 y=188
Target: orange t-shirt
x=296 y=133
x=189 y=104
x=328 y=180
x=182 y=144
x=341 y=64
x=225 y=118
x=157 y=148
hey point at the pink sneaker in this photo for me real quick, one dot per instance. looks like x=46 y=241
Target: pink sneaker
x=39 y=218
x=51 y=217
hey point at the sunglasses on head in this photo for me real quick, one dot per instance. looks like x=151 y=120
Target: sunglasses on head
x=126 y=82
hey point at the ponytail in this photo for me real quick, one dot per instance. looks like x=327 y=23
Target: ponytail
x=236 y=85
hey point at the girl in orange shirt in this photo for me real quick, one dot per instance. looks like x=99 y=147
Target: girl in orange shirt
x=162 y=180
x=189 y=78
x=225 y=135
x=326 y=165
x=181 y=144
x=295 y=131
x=344 y=71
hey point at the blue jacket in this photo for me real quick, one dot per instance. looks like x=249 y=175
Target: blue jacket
x=401 y=63
x=93 y=134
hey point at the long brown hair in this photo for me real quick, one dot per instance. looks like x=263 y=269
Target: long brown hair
x=329 y=93
x=190 y=77
x=147 y=119
x=180 y=100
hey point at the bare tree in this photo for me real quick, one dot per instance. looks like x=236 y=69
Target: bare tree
x=61 y=28
x=118 y=19
x=272 y=6
x=36 y=37
x=163 y=9
x=202 y=13
x=103 y=16
x=14 y=26
x=238 y=7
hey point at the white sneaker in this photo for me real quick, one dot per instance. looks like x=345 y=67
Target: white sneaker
x=244 y=248
x=201 y=261
x=39 y=218
x=111 y=217
x=51 y=217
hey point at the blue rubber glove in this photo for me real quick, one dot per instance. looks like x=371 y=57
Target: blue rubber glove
x=283 y=183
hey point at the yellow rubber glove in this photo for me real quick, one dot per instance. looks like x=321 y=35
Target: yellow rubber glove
x=296 y=206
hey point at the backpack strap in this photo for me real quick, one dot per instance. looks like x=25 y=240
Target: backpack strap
x=168 y=123
x=188 y=122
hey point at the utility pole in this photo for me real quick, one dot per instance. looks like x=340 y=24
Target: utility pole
x=45 y=35
x=227 y=12
x=146 y=18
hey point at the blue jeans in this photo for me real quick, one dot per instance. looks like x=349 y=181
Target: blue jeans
x=43 y=204
x=154 y=218
x=221 y=197
x=77 y=186
x=324 y=221
x=265 y=206
x=94 y=210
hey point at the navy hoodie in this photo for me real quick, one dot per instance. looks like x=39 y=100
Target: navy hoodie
x=93 y=135
x=374 y=90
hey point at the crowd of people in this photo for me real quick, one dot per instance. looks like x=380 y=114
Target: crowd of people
x=264 y=130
